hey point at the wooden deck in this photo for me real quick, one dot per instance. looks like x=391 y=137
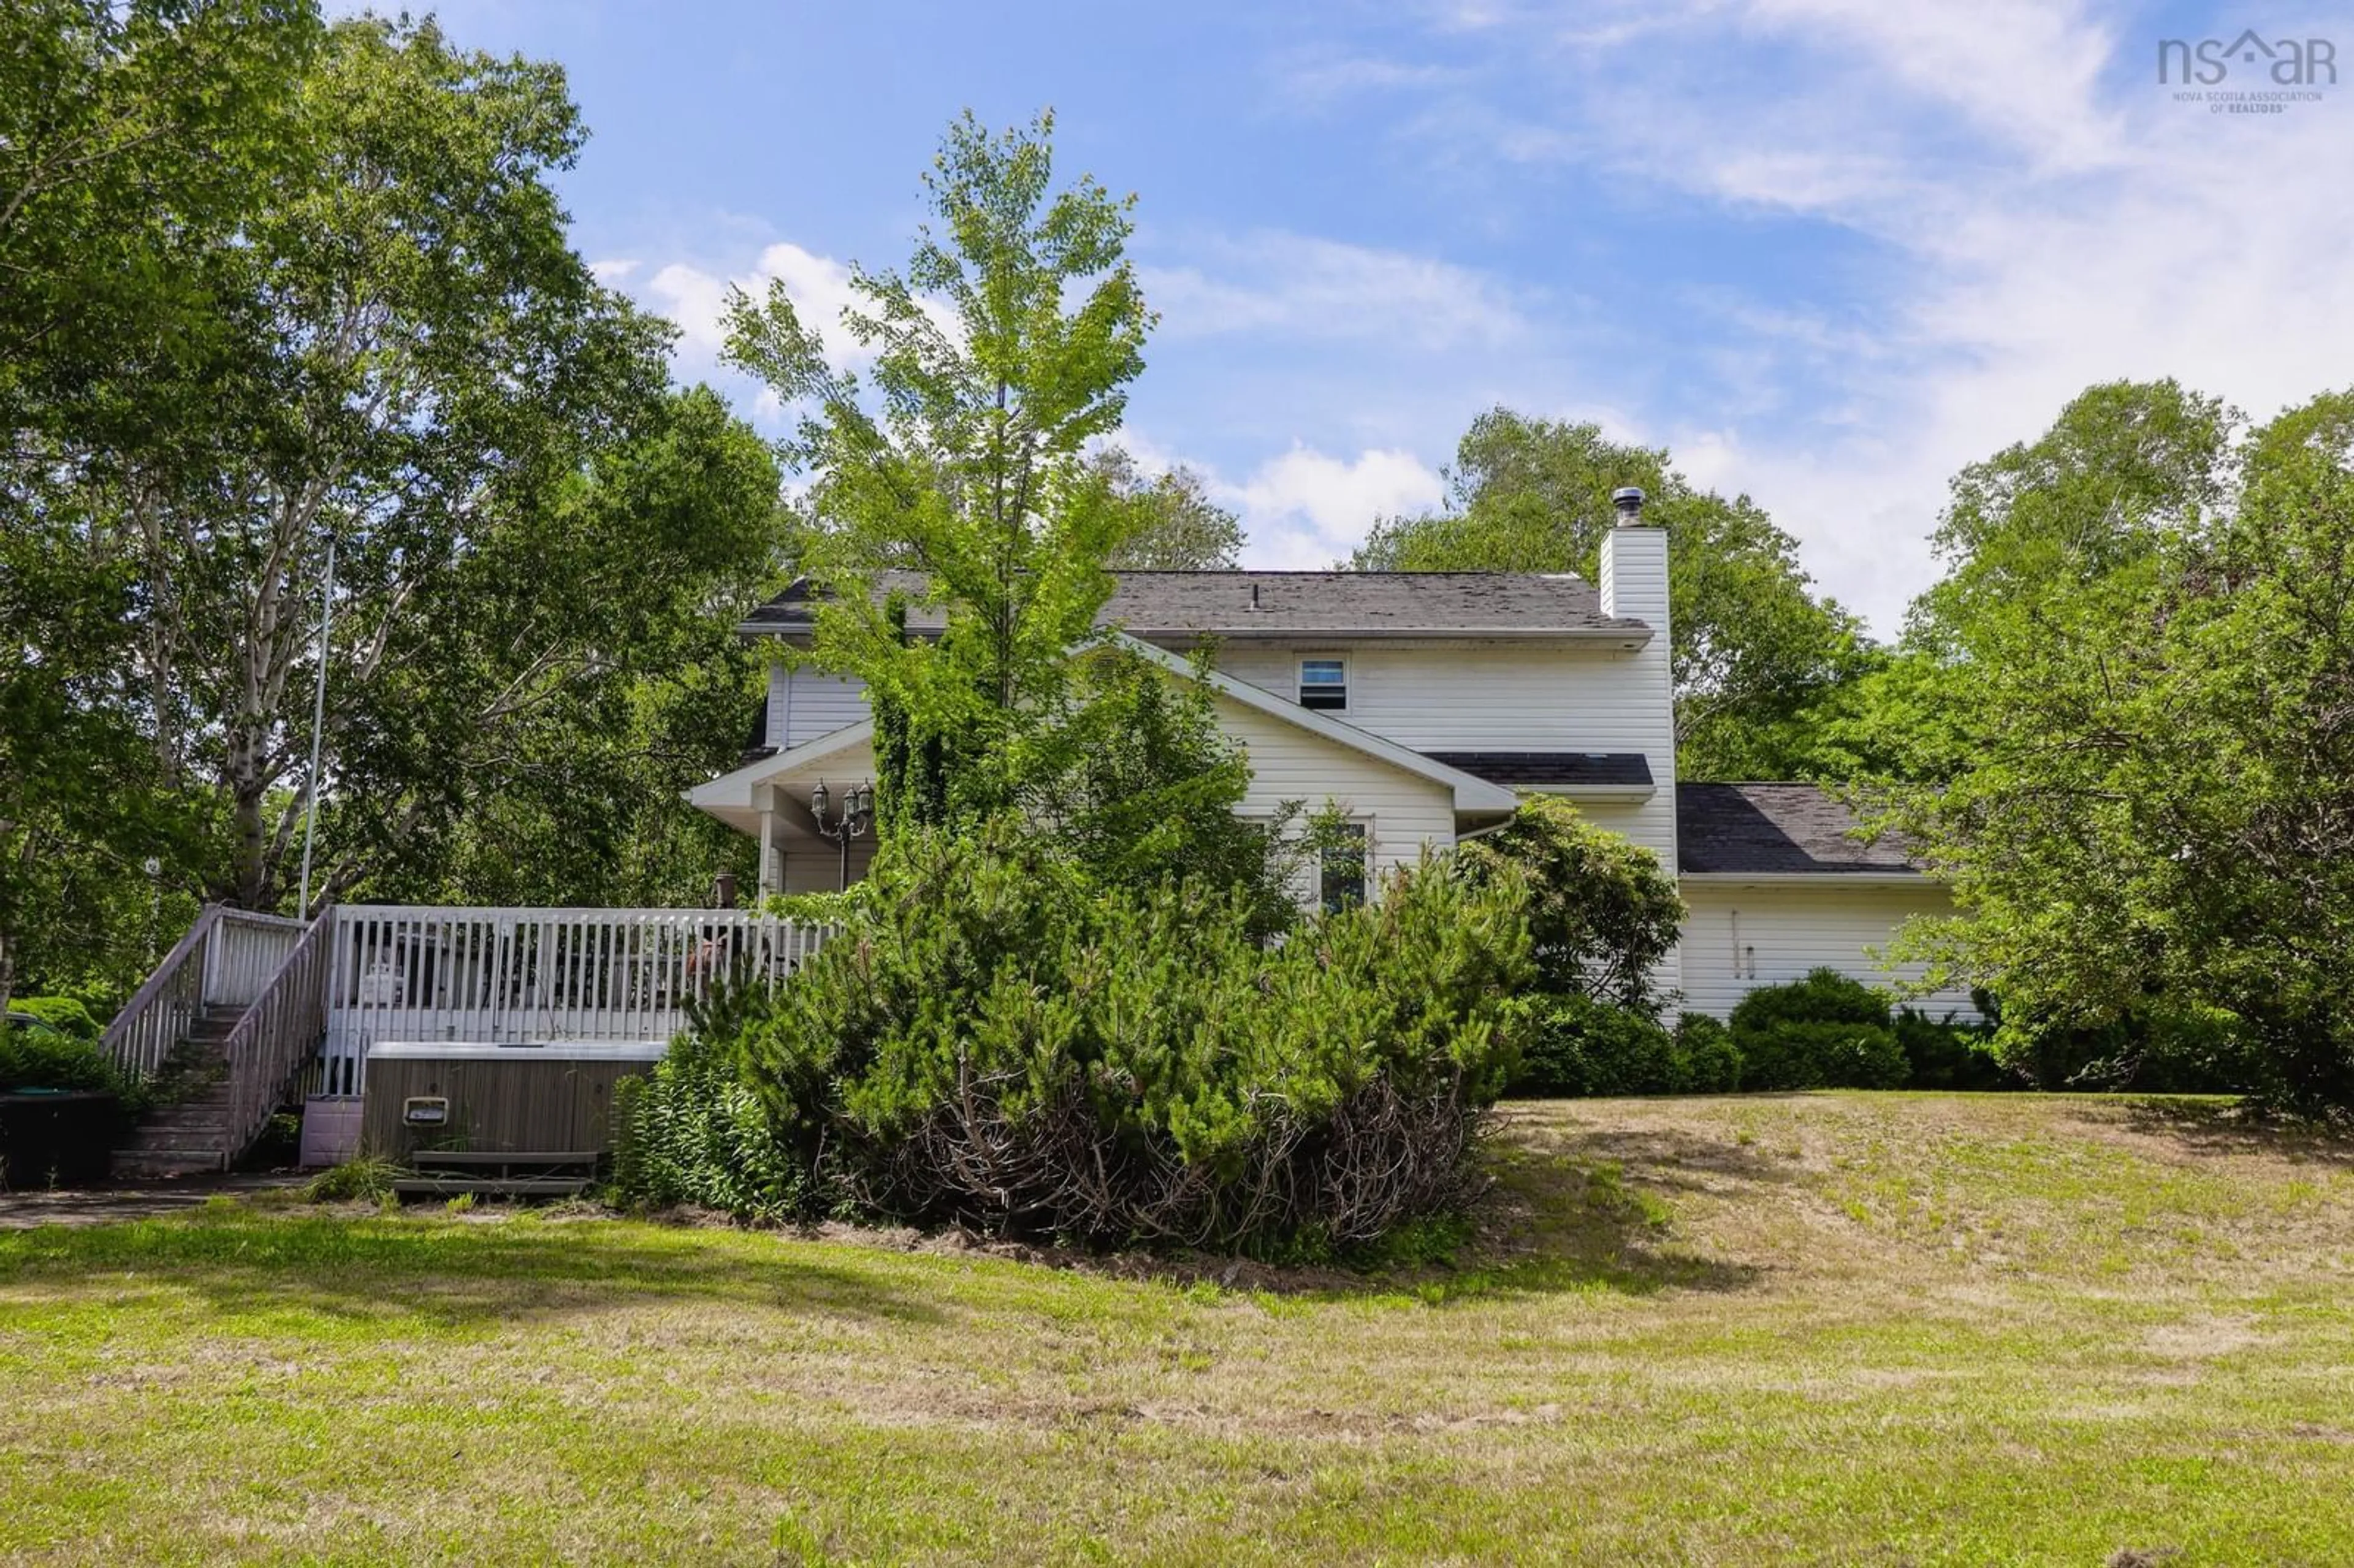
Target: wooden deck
x=420 y=974
x=267 y=1007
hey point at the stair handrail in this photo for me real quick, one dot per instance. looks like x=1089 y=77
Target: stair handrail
x=158 y=1014
x=281 y=1029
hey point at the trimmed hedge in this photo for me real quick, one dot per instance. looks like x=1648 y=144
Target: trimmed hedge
x=1576 y=1046
x=64 y=1013
x=1831 y=1032
x=1711 y=1061
x=1788 y=1055
x=1825 y=1031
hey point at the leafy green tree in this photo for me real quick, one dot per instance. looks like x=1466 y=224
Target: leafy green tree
x=1602 y=915
x=1751 y=646
x=79 y=813
x=2127 y=467
x=1180 y=528
x=424 y=372
x=1002 y=351
x=328 y=294
x=2154 y=827
x=133 y=137
x=572 y=677
x=1135 y=780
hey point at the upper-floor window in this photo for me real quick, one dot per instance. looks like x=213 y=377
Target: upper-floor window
x=1324 y=684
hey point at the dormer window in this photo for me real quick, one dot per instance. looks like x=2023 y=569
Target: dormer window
x=1324 y=684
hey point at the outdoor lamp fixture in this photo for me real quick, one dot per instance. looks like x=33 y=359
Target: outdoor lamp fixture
x=857 y=821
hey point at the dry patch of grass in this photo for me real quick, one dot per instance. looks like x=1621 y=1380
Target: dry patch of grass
x=1842 y=1328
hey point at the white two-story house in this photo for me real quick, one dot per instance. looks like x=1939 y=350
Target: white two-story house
x=1423 y=705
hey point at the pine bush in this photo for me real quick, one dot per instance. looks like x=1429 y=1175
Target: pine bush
x=1005 y=1043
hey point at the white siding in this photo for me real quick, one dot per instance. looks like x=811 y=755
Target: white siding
x=806 y=703
x=1738 y=938
x=815 y=866
x=1402 y=810
x=1497 y=696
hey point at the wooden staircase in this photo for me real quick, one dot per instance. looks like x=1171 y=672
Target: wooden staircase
x=219 y=1032
x=188 y=1133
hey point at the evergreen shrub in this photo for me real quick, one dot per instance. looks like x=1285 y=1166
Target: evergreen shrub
x=66 y=1014
x=1825 y=1031
x=1004 y=1043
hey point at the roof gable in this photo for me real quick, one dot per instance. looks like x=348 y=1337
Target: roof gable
x=733 y=789
x=1471 y=793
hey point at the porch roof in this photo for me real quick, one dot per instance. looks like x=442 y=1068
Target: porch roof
x=846 y=754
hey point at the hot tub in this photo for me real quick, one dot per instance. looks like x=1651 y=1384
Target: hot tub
x=534 y=1098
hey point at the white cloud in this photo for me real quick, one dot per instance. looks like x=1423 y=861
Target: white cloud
x=1294 y=285
x=2022 y=71
x=1320 y=78
x=696 y=299
x=613 y=271
x=2041 y=216
x=1306 y=509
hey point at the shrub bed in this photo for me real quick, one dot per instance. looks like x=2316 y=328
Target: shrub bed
x=67 y=1015
x=37 y=1058
x=1576 y=1046
x=1823 y=1031
x=1005 y=1043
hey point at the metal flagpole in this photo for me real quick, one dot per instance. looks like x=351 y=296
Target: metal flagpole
x=318 y=729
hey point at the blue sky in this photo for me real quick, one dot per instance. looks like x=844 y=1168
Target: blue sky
x=1825 y=250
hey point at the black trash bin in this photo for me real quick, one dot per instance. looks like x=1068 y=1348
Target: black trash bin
x=56 y=1138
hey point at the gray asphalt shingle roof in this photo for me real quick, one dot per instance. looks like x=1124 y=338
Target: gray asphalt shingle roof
x=1775 y=829
x=1292 y=604
x=1532 y=769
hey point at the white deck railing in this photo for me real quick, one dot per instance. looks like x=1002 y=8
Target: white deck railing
x=225 y=961
x=283 y=1022
x=247 y=951
x=515 y=976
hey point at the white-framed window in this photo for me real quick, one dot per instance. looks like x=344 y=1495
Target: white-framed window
x=1324 y=684
x=1341 y=869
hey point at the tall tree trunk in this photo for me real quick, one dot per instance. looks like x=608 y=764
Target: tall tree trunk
x=248 y=793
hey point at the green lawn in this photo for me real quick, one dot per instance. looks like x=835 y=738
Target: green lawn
x=1854 y=1329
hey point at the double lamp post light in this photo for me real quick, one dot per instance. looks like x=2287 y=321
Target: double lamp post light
x=855 y=821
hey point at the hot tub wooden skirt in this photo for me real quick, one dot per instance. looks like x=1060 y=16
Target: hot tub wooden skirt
x=496 y=1099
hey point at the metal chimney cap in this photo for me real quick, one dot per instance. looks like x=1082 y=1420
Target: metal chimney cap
x=1628 y=499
